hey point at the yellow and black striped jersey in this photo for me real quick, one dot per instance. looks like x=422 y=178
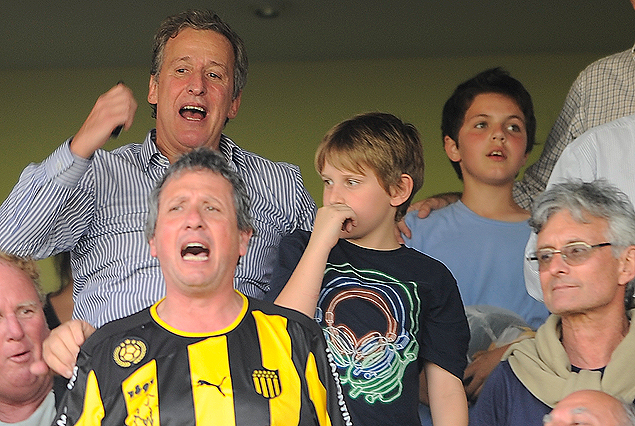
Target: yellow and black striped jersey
x=269 y=367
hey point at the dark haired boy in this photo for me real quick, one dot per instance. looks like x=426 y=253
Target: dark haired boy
x=488 y=128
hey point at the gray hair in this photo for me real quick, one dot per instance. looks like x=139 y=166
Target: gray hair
x=629 y=410
x=200 y=20
x=598 y=199
x=202 y=159
x=627 y=418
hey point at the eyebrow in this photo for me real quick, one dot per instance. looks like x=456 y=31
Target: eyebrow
x=513 y=116
x=28 y=304
x=188 y=58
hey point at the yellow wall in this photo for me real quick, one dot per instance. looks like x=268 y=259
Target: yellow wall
x=286 y=108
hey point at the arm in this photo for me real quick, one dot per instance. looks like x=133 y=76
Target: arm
x=570 y=124
x=448 y=404
x=478 y=370
x=47 y=210
x=303 y=288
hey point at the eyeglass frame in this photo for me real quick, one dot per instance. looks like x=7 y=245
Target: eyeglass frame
x=534 y=256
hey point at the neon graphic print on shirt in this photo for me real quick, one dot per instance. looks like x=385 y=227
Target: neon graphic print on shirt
x=370 y=321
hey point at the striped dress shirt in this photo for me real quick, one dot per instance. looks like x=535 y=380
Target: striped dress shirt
x=96 y=208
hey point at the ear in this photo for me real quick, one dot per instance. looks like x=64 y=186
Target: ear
x=451 y=149
x=243 y=241
x=233 y=109
x=627 y=265
x=153 y=248
x=525 y=159
x=153 y=90
x=400 y=192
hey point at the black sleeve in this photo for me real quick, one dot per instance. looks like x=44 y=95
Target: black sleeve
x=289 y=253
x=445 y=331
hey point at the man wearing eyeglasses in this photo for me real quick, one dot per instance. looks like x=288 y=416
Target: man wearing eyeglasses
x=585 y=254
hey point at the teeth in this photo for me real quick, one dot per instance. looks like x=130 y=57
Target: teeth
x=193 y=113
x=194 y=108
x=195 y=251
x=497 y=153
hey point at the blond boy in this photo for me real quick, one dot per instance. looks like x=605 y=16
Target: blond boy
x=387 y=311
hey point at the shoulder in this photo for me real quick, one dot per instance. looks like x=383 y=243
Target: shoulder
x=446 y=218
x=623 y=57
x=292 y=316
x=116 y=329
x=605 y=137
x=251 y=163
x=423 y=262
x=505 y=401
x=605 y=71
x=297 y=239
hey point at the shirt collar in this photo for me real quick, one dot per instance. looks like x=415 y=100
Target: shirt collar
x=232 y=153
x=150 y=154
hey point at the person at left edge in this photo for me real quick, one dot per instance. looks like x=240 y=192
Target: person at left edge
x=93 y=202
x=27 y=398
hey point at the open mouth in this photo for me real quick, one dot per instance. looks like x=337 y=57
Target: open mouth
x=496 y=154
x=193 y=113
x=195 y=251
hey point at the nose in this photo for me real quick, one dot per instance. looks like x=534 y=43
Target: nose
x=14 y=328
x=558 y=265
x=196 y=84
x=498 y=133
x=333 y=195
x=194 y=218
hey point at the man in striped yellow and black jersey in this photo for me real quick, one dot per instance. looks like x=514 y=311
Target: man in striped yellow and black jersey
x=205 y=354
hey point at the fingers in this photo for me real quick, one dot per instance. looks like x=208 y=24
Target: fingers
x=436 y=202
x=402 y=228
x=114 y=108
x=426 y=206
x=60 y=349
x=477 y=372
x=333 y=220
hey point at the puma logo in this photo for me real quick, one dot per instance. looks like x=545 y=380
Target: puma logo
x=206 y=383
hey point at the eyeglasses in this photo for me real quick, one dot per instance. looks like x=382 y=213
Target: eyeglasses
x=573 y=253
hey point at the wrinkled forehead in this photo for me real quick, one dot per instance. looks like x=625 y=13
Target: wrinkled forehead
x=16 y=287
x=198 y=181
x=567 y=224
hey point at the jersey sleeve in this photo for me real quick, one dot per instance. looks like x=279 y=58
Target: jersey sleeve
x=324 y=385
x=82 y=404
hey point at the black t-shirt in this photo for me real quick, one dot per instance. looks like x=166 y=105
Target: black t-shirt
x=383 y=314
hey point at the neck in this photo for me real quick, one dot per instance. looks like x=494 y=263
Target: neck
x=175 y=149
x=382 y=238
x=590 y=339
x=17 y=411
x=205 y=314
x=493 y=202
